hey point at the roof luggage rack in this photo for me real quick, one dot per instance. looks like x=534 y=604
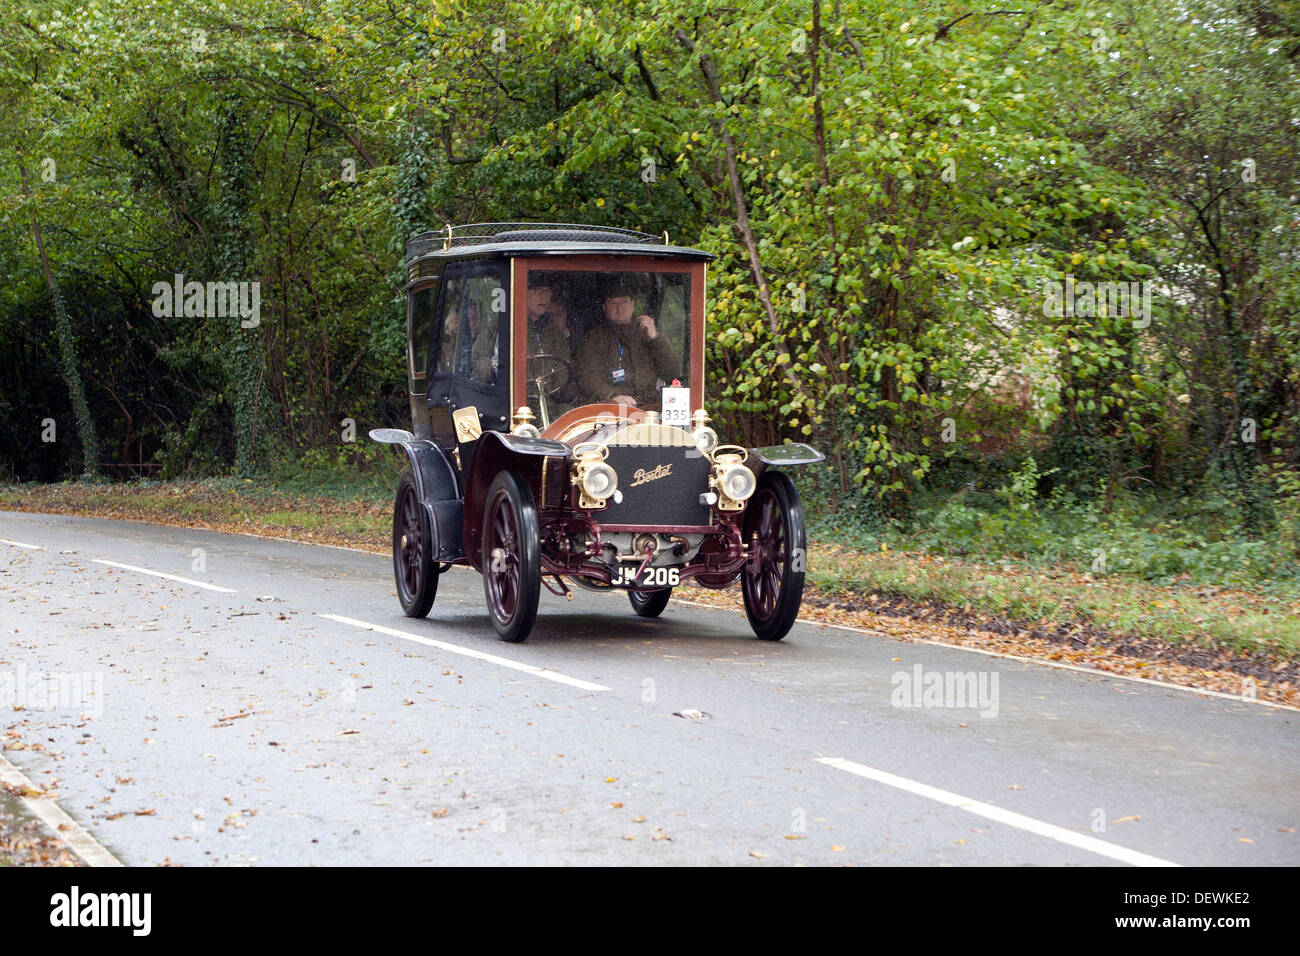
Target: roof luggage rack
x=485 y=233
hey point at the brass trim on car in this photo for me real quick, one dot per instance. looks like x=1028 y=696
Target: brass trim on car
x=468 y=426
x=647 y=433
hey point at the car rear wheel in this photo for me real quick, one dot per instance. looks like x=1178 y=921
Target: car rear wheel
x=413 y=564
x=772 y=580
x=649 y=603
x=512 y=564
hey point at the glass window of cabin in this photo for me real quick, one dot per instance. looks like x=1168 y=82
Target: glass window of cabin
x=606 y=336
x=450 y=328
x=419 y=334
x=480 y=351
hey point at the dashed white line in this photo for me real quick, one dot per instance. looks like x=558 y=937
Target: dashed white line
x=997 y=814
x=53 y=816
x=169 y=577
x=469 y=652
x=19 y=544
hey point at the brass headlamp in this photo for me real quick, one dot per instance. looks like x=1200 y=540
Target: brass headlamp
x=521 y=423
x=597 y=482
x=733 y=482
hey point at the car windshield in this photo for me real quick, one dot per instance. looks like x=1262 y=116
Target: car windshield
x=607 y=336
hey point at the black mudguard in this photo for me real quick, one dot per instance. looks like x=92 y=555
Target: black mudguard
x=782 y=456
x=498 y=452
x=436 y=484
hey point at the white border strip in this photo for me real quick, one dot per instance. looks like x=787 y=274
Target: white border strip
x=998 y=815
x=1091 y=671
x=169 y=577
x=53 y=816
x=19 y=544
x=469 y=652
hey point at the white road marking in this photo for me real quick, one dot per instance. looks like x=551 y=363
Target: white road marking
x=169 y=577
x=1092 y=671
x=1098 y=672
x=997 y=814
x=469 y=652
x=19 y=544
x=61 y=825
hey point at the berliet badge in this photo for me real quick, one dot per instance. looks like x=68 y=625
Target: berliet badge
x=642 y=476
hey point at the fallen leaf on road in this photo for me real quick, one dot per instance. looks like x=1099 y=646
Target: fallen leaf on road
x=1126 y=819
x=22 y=790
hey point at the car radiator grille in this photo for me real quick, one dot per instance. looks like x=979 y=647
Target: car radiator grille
x=661 y=486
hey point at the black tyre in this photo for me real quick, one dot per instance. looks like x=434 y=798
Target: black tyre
x=772 y=580
x=413 y=565
x=512 y=563
x=649 y=603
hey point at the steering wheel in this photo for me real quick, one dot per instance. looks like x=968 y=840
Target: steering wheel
x=549 y=381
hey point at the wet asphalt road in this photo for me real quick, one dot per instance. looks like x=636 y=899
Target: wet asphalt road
x=360 y=747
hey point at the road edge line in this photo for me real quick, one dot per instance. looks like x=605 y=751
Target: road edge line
x=76 y=838
x=1092 y=671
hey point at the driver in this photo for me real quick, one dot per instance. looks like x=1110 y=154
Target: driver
x=623 y=360
x=548 y=334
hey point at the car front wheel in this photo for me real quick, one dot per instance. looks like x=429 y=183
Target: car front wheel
x=512 y=563
x=772 y=581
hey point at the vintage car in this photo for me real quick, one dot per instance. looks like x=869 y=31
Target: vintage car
x=559 y=435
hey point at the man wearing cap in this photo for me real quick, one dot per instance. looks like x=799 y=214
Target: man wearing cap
x=547 y=334
x=622 y=360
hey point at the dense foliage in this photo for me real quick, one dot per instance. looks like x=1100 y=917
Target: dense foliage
x=892 y=189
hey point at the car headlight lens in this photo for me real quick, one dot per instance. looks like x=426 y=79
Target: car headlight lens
x=706 y=439
x=599 y=480
x=738 y=482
